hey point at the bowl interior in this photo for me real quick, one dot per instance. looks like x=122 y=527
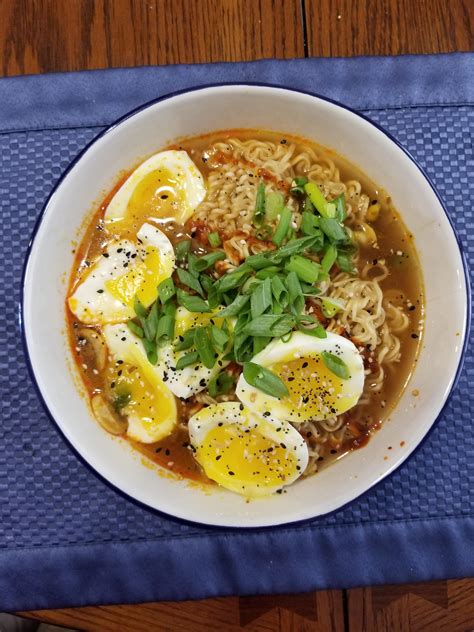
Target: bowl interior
x=198 y=112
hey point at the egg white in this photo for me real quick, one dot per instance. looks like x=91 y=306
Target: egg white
x=191 y=185
x=256 y=474
x=92 y=301
x=326 y=394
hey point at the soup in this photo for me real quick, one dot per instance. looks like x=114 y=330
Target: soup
x=246 y=307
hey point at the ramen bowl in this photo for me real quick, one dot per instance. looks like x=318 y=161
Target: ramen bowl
x=190 y=113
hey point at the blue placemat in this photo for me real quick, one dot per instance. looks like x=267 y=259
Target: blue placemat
x=66 y=537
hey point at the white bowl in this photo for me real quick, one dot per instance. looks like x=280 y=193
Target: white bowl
x=208 y=109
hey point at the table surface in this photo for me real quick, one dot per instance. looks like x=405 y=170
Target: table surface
x=61 y=35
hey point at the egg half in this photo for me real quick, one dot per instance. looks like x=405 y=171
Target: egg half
x=148 y=404
x=244 y=453
x=315 y=392
x=168 y=185
x=125 y=270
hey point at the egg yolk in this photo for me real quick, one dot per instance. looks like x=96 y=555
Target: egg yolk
x=133 y=393
x=312 y=387
x=243 y=460
x=140 y=280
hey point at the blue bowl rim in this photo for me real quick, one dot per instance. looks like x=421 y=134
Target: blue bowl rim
x=166 y=97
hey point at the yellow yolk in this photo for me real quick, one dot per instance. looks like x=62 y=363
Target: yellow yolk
x=141 y=280
x=311 y=385
x=188 y=320
x=243 y=460
x=146 y=401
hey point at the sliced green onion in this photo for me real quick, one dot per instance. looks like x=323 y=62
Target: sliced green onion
x=236 y=306
x=213 y=297
x=243 y=347
x=206 y=281
x=182 y=248
x=192 y=261
x=309 y=223
x=214 y=240
x=207 y=261
x=279 y=291
x=166 y=290
x=259 y=343
x=332 y=229
x=274 y=205
x=187 y=360
x=274 y=325
x=151 y=352
x=297 y=186
x=305 y=269
x=232 y=280
x=135 y=329
x=341 y=210
x=204 y=347
x=345 y=263
x=219 y=338
x=152 y=321
x=188 y=279
x=283 y=226
x=259 y=213
x=138 y=308
x=165 y=328
x=307 y=206
x=192 y=303
x=331 y=306
x=185 y=341
x=220 y=384
x=318 y=200
x=336 y=365
x=317 y=332
x=329 y=258
x=261 y=298
x=250 y=284
x=294 y=247
x=263 y=379
x=267 y=273
x=295 y=293
x=257 y=262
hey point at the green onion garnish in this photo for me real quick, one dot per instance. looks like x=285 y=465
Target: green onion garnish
x=135 y=329
x=204 y=347
x=340 y=204
x=259 y=213
x=187 y=360
x=295 y=293
x=152 y=321
x=166 y=290
x=165 y=328
x=345 y=263
x=279 y=291
x=138 y=308
x=333 y=229
x=317 y=332
x=309 y=223
x=329 y=258
x=185 y=341
x=297 y=186
x=182 y=248
x=267 y=273
x=151 y=352
x=324 y=208
x=259 y=343
x=274 y=205
x=220 y=384
x=188 y=279
x=261 y=298
x=331 y=306
x=274 y=325
x=283 y=226
x=207 y=261
x=305 y=269
x=263 y=379
x=336 y=365
x=214 y=240
x=231 y=280
x=192 y=303
x=235 y=307
x=219 y=338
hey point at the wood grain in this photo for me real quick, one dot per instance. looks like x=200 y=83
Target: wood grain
x=61 y=35
x=344 y=28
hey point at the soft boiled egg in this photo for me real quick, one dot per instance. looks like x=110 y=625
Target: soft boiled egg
x=315 y=391
x=134 y=387
x=166 y=186
x=192 y=379
x=249 y=455
x=125 y=270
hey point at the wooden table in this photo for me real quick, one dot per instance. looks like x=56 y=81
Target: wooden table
x=59 y=35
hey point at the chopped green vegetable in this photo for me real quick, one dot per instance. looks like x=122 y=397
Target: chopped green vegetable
x=263 y=379
x=220 y=384
x=317 y=332
x=259 y=213
x=214 y=240
x=336 y=365
x=138 y=308
x=283 y=226
x=165 y=328
x=279 y=291
x=236 y=306
x=207 y=261
x=310 y=223
x=297 y=186
x=182 y=248
x=274 y=205
x=274 y=325
x=204 y=347
x=341 y=211
x=329 y=258
x=166 y=290
x=185 y=341
x=295 y=293
x=233 y=279
x=305 y=269
x=151 y=352
x=261 y=298
x=187 y=360
x=152 y=321
x=267 y=273
x=256 y=262
x=259 y=343
x=331 y=306
x=219 y=338
x=345 y=263
x=135 y=329
x=333 y=229
x=188 y=279
x=318 y=200
x=192 y=303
